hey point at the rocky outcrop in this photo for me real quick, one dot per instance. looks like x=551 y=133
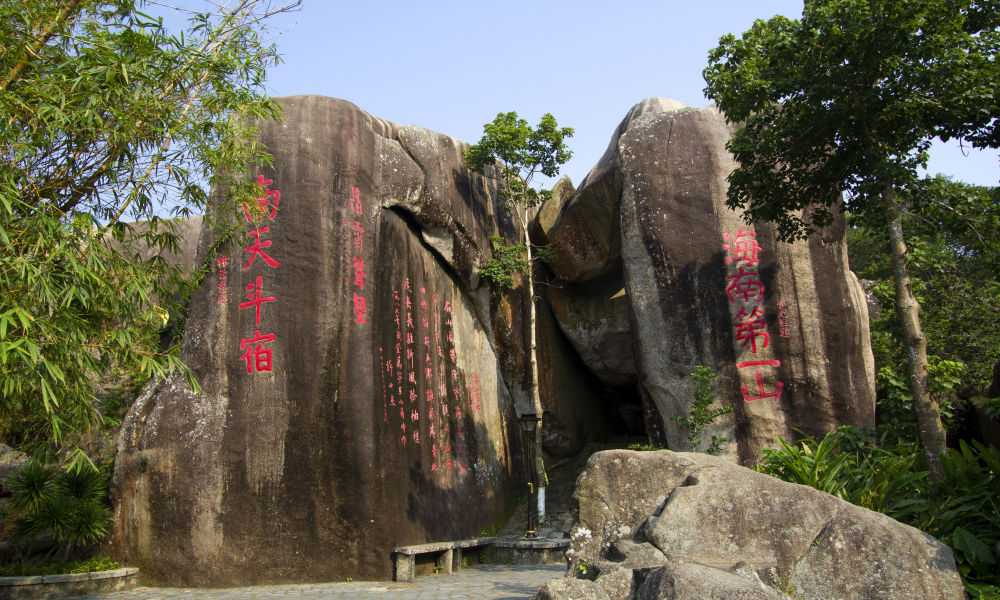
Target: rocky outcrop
x=356 y=389
x=784 y=325
x=10 y=461
x=686 y=526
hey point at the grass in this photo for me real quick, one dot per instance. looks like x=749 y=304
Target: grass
x=24 y=569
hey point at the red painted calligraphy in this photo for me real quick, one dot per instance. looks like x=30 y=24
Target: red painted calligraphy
x=256 y=298
x=257 y=247
x=750 y=327
x=742 y=247
x=266 y=204
x=744 y=286
x=222 y=283
x=746 y=293
x=257 y=356
x=357 y=232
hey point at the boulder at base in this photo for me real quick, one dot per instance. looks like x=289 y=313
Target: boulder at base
x=695 y=527
x=650 y=254
x=352 y=397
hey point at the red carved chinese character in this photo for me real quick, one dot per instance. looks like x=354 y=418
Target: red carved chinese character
x=356 y=200
x=358 y=231
x=762 y=392
x=257 y=356
x=257 y=249
x=416 y=436
x=402 y=440
x=359 y=272
x=255 y=297
x=742 y=247
x=447 y=307
x=414 y=415
x=751 y=326
x=222 y=261
x=744 y=284
x=758 y=363
x=452 y=355
x=267 y=204
x=360 y=309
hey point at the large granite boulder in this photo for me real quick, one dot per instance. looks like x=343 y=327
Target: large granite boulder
x=784 y=325
x=693 y=526
x=353 y=391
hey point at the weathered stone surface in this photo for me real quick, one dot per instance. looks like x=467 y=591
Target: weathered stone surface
x=571 y=589
x=585 y=238
x=689 y=581
x=653 y=213
x=187 y=231
x=10 y=461
x=348 y=446
x=618 y=583
x=595 y=316
x=568 y=390
x=725 y=529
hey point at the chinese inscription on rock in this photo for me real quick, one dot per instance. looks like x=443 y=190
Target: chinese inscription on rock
x=257 y=352
x=746 y=293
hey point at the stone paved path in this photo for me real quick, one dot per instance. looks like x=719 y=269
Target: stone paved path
x=482 y=582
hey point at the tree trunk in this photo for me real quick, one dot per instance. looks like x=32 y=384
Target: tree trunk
x=536 y=398
x=71 y=8
x=925 y=407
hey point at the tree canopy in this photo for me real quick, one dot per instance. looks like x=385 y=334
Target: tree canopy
x=108 y=115
x=849 y=97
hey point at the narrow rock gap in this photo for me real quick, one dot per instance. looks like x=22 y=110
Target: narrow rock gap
x=417 y=229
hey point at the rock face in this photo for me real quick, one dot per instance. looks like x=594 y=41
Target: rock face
x=355 y=394
x=652 y=260
x=687 y=526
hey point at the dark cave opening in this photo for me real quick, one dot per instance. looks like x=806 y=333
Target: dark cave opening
x=623 y=413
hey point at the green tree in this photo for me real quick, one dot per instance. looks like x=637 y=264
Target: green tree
x=108 y=115
x=954 y=246
x=513 y=153
x=849 y=97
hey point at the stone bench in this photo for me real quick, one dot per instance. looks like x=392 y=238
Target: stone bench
x=448 y=557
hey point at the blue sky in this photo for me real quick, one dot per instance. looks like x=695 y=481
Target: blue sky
x=451 y=65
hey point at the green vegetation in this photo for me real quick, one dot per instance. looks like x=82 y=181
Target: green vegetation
x=107 y=116
x=702 y=414
x=511 y=153
x=507 y=260
x=849 y=97
x=892 y=479
x=68 y=509
x=954 y=247
x=90 y=565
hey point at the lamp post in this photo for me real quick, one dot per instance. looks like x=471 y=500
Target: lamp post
x=529 y=426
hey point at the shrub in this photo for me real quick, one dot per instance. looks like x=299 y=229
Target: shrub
x=67 y=507
x=963 y=512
